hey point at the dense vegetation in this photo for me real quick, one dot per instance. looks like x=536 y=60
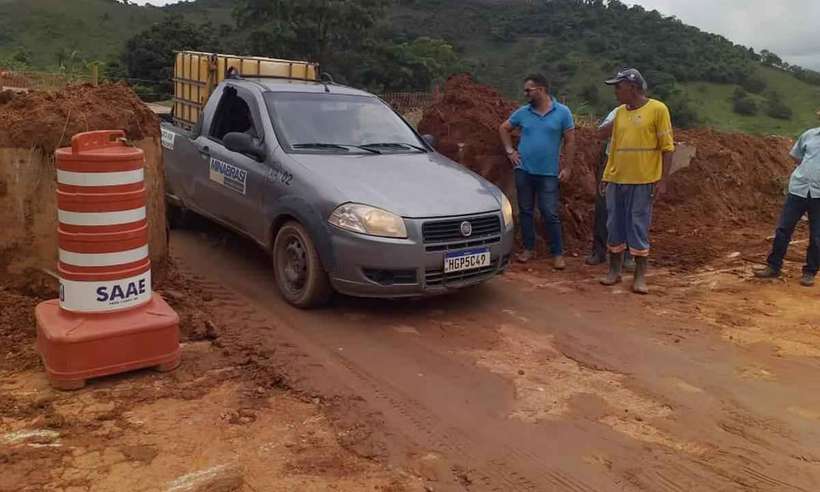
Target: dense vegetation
x=411 y=44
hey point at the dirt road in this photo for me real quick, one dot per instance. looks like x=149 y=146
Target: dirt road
x=547 y=381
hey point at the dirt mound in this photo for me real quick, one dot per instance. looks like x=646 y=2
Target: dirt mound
x=32 y=126
x=464 y=118
x=727 y=196
x=48 y=120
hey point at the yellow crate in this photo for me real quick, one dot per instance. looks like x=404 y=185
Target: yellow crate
x=196 y=74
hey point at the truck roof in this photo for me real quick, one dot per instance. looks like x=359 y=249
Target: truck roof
x=289 y=85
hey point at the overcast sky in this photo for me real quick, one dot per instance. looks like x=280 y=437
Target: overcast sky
x=786 y=27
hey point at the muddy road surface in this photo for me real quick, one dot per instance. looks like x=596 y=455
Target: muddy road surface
x=540 y=380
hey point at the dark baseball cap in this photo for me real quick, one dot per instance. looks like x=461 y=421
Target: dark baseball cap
x=628 y=75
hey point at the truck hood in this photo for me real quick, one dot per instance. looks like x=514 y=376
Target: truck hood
x=410 y=185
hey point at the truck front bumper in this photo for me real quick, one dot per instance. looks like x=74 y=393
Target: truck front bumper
x=369 y=266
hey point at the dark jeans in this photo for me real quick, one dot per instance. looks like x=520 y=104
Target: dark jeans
x=793 y=211
x=599 y=233
x=544 y=189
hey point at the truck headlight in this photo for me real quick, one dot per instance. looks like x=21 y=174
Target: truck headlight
x=365 y=219
x=507 y=212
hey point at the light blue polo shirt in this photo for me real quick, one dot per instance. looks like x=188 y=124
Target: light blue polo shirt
x=608 y=121
x=806 y=178
x=541 y=136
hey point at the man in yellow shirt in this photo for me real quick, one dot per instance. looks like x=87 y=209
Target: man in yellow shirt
x=639 y=159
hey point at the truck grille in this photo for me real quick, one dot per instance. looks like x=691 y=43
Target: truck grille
x=445 y=231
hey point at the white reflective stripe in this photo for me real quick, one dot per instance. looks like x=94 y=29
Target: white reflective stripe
x=103 y=259
x=111 y=295
x=100 y=179
x=101 y=218
x=637 y=149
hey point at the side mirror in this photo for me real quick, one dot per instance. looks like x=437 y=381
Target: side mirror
x=244 y=144
x=431 y=140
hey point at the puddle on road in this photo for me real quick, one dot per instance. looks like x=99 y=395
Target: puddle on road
x=551 y=386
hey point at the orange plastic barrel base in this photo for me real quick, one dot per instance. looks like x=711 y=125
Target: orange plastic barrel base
x=78 y=347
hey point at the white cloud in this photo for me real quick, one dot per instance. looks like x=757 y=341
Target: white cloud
x=153 y=2
x=786 y=27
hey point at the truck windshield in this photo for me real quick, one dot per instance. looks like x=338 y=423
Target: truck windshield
x=336 y=123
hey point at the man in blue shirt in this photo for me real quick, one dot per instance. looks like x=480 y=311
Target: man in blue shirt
x=803 y=198
x=545 y=124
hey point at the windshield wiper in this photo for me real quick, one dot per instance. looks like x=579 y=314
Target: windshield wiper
x=395 y=144
x=320 y=145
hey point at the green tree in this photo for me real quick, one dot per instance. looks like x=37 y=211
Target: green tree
x=413 y=65
x=149 y=56
x=745 y=106
x=753 y=84
x=776 y=108
x=682 y=113
x=590 y=94
x=316 y=30
x=347 y=39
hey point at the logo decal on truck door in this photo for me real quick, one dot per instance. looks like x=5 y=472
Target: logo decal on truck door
x=228 y=175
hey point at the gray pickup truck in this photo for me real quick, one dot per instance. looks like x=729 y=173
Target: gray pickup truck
x=340 y=189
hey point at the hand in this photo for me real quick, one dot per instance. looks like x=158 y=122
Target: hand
x=515 y=158
x=564 y=174
x=660 y=188
x=602 y=188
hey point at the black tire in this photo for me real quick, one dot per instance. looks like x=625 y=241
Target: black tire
x=175 y=216
x=300 y=276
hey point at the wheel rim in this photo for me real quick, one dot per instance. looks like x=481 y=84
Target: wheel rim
x=293 y=265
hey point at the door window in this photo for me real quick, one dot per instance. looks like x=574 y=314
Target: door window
x=233 y=115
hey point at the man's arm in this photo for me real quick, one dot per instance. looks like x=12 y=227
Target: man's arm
x=605 y=131
x=505 y=132
x=667 y=166
x=569 y=155
x=667 y=147
x=798 y=151
x=605 y=128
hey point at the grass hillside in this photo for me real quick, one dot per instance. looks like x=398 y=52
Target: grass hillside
x=43 y=30
x=714 y=103
x=576 y=43
x=504 y=64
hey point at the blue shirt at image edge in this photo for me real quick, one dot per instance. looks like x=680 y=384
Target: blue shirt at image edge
x=806 y=178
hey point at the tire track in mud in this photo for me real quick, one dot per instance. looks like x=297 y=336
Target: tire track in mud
x=501 y=472
x=496 y=473
x=744 y=452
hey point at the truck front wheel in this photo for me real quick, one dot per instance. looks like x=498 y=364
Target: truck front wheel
x=300 y=276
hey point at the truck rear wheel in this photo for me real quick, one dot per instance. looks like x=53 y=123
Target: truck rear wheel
x=300 y=276
x=176 y=216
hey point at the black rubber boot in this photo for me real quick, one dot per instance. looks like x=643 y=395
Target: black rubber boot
x=629 y=263
x=616 y=263
x=596 y=258
x=639 y=283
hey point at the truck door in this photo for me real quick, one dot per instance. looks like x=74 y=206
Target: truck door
x=233 y=188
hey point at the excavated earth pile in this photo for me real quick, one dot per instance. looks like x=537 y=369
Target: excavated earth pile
x=32 y=126
x=726 y=196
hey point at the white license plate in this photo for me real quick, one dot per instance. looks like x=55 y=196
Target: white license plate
x=466 y=260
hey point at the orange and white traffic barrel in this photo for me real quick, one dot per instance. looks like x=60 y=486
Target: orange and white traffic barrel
x=103 y=231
